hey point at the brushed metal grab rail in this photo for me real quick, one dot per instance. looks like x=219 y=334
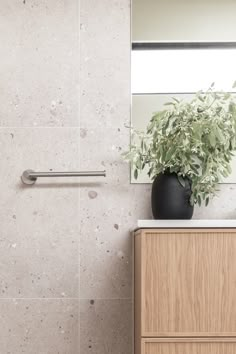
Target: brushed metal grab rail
x=30 y=176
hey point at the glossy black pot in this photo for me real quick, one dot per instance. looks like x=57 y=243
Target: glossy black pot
x=170 y=200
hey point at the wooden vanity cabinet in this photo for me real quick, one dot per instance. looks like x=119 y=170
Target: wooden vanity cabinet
x=185 y=291
x=189 y=346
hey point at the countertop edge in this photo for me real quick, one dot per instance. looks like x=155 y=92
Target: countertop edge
x=185 y=224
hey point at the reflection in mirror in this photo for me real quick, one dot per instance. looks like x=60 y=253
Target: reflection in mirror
x=183 y=21
x=143 y=107
x=179 y=48
x=182 y=70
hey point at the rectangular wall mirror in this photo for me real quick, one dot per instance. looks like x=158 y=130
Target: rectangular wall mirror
x=179 y=48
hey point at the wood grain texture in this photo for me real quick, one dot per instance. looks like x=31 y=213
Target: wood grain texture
x=190 y=340
x=188 y=283
x=189 y=347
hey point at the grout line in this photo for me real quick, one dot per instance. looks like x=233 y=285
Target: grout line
x=40 y=127
x=107 y=299
x=79 y=163
x=66 y=298
x=38 y=298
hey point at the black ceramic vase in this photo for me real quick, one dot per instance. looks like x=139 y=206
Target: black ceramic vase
x=170 y=200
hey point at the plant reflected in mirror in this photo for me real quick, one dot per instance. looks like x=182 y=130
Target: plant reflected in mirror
x=193 y=139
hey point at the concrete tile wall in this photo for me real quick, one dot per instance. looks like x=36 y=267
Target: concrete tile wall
x=109 y=211
x=65 y=246
x=39 y=326
x=39 y=129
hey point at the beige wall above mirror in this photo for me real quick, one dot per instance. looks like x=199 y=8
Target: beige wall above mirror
x=180 y=47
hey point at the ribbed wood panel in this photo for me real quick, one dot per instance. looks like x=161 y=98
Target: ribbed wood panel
x=188 y=283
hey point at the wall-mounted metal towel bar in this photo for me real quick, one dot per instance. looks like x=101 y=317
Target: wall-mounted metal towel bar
x=30 y=176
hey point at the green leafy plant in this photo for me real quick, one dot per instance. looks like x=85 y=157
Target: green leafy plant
x=192 y=139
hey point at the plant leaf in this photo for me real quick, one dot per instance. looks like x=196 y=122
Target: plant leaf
x=181 y=181
x=194 y=138
x=169 y=104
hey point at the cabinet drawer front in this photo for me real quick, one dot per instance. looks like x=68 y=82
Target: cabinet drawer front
x=189 y=283
x=188 y=347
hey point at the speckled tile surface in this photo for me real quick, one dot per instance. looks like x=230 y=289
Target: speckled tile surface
x=222 y=206
x=39 y=224
x=39 y=61
x=39 y=326
x=106 y=327
x=61 y=241
x=106 y=243
x=110 y=209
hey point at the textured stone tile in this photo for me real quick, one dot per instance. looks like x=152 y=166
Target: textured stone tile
x=110 y=207
x=109 y=210
x=106 y=243
x=39 y=63
x=105 y=63
x=39 y=224
x=106 y=327
x=39 y=326
x=222 y=206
